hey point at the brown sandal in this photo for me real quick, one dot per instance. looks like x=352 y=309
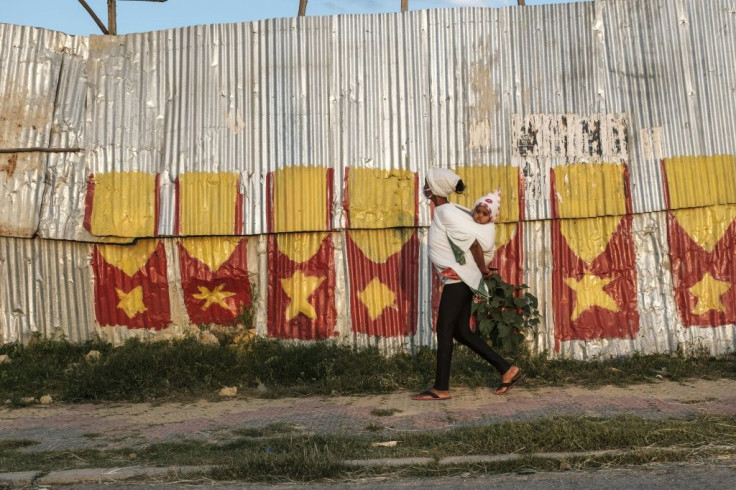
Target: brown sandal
x=428 y=395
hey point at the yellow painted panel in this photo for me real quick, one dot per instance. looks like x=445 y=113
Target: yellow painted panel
x=208 y=201
x=129 y=259
x=381 y=198
x=590 y=189
x=701 y=181
x=588 y=238
x=706 y=226
x=479 y=181
x=300 y=199
x=300 y=247
x=213 y=251
x=379 y=245
x=124 y=204
x=504 y=233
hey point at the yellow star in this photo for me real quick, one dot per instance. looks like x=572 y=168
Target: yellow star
x=131 y=302
x=299 y=288
x=589 y=292
x=216 y=296
x=377 y=297
x=708 y=291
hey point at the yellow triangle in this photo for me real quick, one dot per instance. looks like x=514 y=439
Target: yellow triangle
x=588 y=238
x=130 y=259
x=213 y=251
x=379 y=245
x=300 y=247
x=706 y=226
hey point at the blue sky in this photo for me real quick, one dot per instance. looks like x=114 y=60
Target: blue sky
x=136 y=16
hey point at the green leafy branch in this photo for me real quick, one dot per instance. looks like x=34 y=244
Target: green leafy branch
x=508 y=315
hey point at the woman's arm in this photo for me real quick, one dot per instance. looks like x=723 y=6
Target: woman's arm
x=477 y=253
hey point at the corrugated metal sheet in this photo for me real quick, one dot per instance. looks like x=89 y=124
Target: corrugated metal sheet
x=31 y=65
x=289 y=126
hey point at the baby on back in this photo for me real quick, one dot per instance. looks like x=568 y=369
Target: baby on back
x=486 y=208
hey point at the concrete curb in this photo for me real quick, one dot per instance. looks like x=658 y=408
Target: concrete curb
x=108 y=475
x=388 y=462
x=103 y=475
x=18 y=479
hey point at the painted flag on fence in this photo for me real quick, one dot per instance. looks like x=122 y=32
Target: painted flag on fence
x=594 y=275
x=214 y=278
x=208 y=203
x=301 y=285
x=383 y=263
x=131 y=285
x=701 y=230
x=122 y=204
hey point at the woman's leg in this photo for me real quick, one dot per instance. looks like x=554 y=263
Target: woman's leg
x=474 y=342
x=452 y=305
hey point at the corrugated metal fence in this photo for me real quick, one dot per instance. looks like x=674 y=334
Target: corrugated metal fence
x=193 y=171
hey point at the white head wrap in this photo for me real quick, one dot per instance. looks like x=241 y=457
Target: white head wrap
x=442 y=182
x=492 y=202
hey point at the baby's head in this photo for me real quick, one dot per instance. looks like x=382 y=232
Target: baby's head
x=486 y=208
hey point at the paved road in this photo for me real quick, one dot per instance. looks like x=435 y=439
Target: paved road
x=60 y=427
x=106 y=426
x=655 y=477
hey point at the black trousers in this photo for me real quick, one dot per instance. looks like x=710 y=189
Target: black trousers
x=453 y=321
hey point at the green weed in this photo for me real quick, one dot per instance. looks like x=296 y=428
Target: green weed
x=186 y=369
x=384 y=412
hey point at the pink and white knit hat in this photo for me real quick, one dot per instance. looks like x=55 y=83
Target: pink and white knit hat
x=492 y=202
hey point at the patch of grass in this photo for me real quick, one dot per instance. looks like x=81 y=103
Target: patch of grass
x=11 y=444
x=184 y=370
x=298 y=456
x=696 y=402
x=384 y=412
x=374 y=427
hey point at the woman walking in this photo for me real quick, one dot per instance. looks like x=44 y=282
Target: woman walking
x=460 y=249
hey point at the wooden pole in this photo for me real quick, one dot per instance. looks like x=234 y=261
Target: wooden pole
x=404 y=5
x=521 y=3
x=111 y=18
x=303 y=8
x=94 y=16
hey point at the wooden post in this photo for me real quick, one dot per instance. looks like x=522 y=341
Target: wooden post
x=521 y=3
x=303 y=8
x=404 y=5
x=94 y=16
x=111 y=20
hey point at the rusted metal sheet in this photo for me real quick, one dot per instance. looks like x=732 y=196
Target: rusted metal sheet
x=31 y=65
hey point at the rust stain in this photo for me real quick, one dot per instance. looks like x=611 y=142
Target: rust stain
x=10 y=165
